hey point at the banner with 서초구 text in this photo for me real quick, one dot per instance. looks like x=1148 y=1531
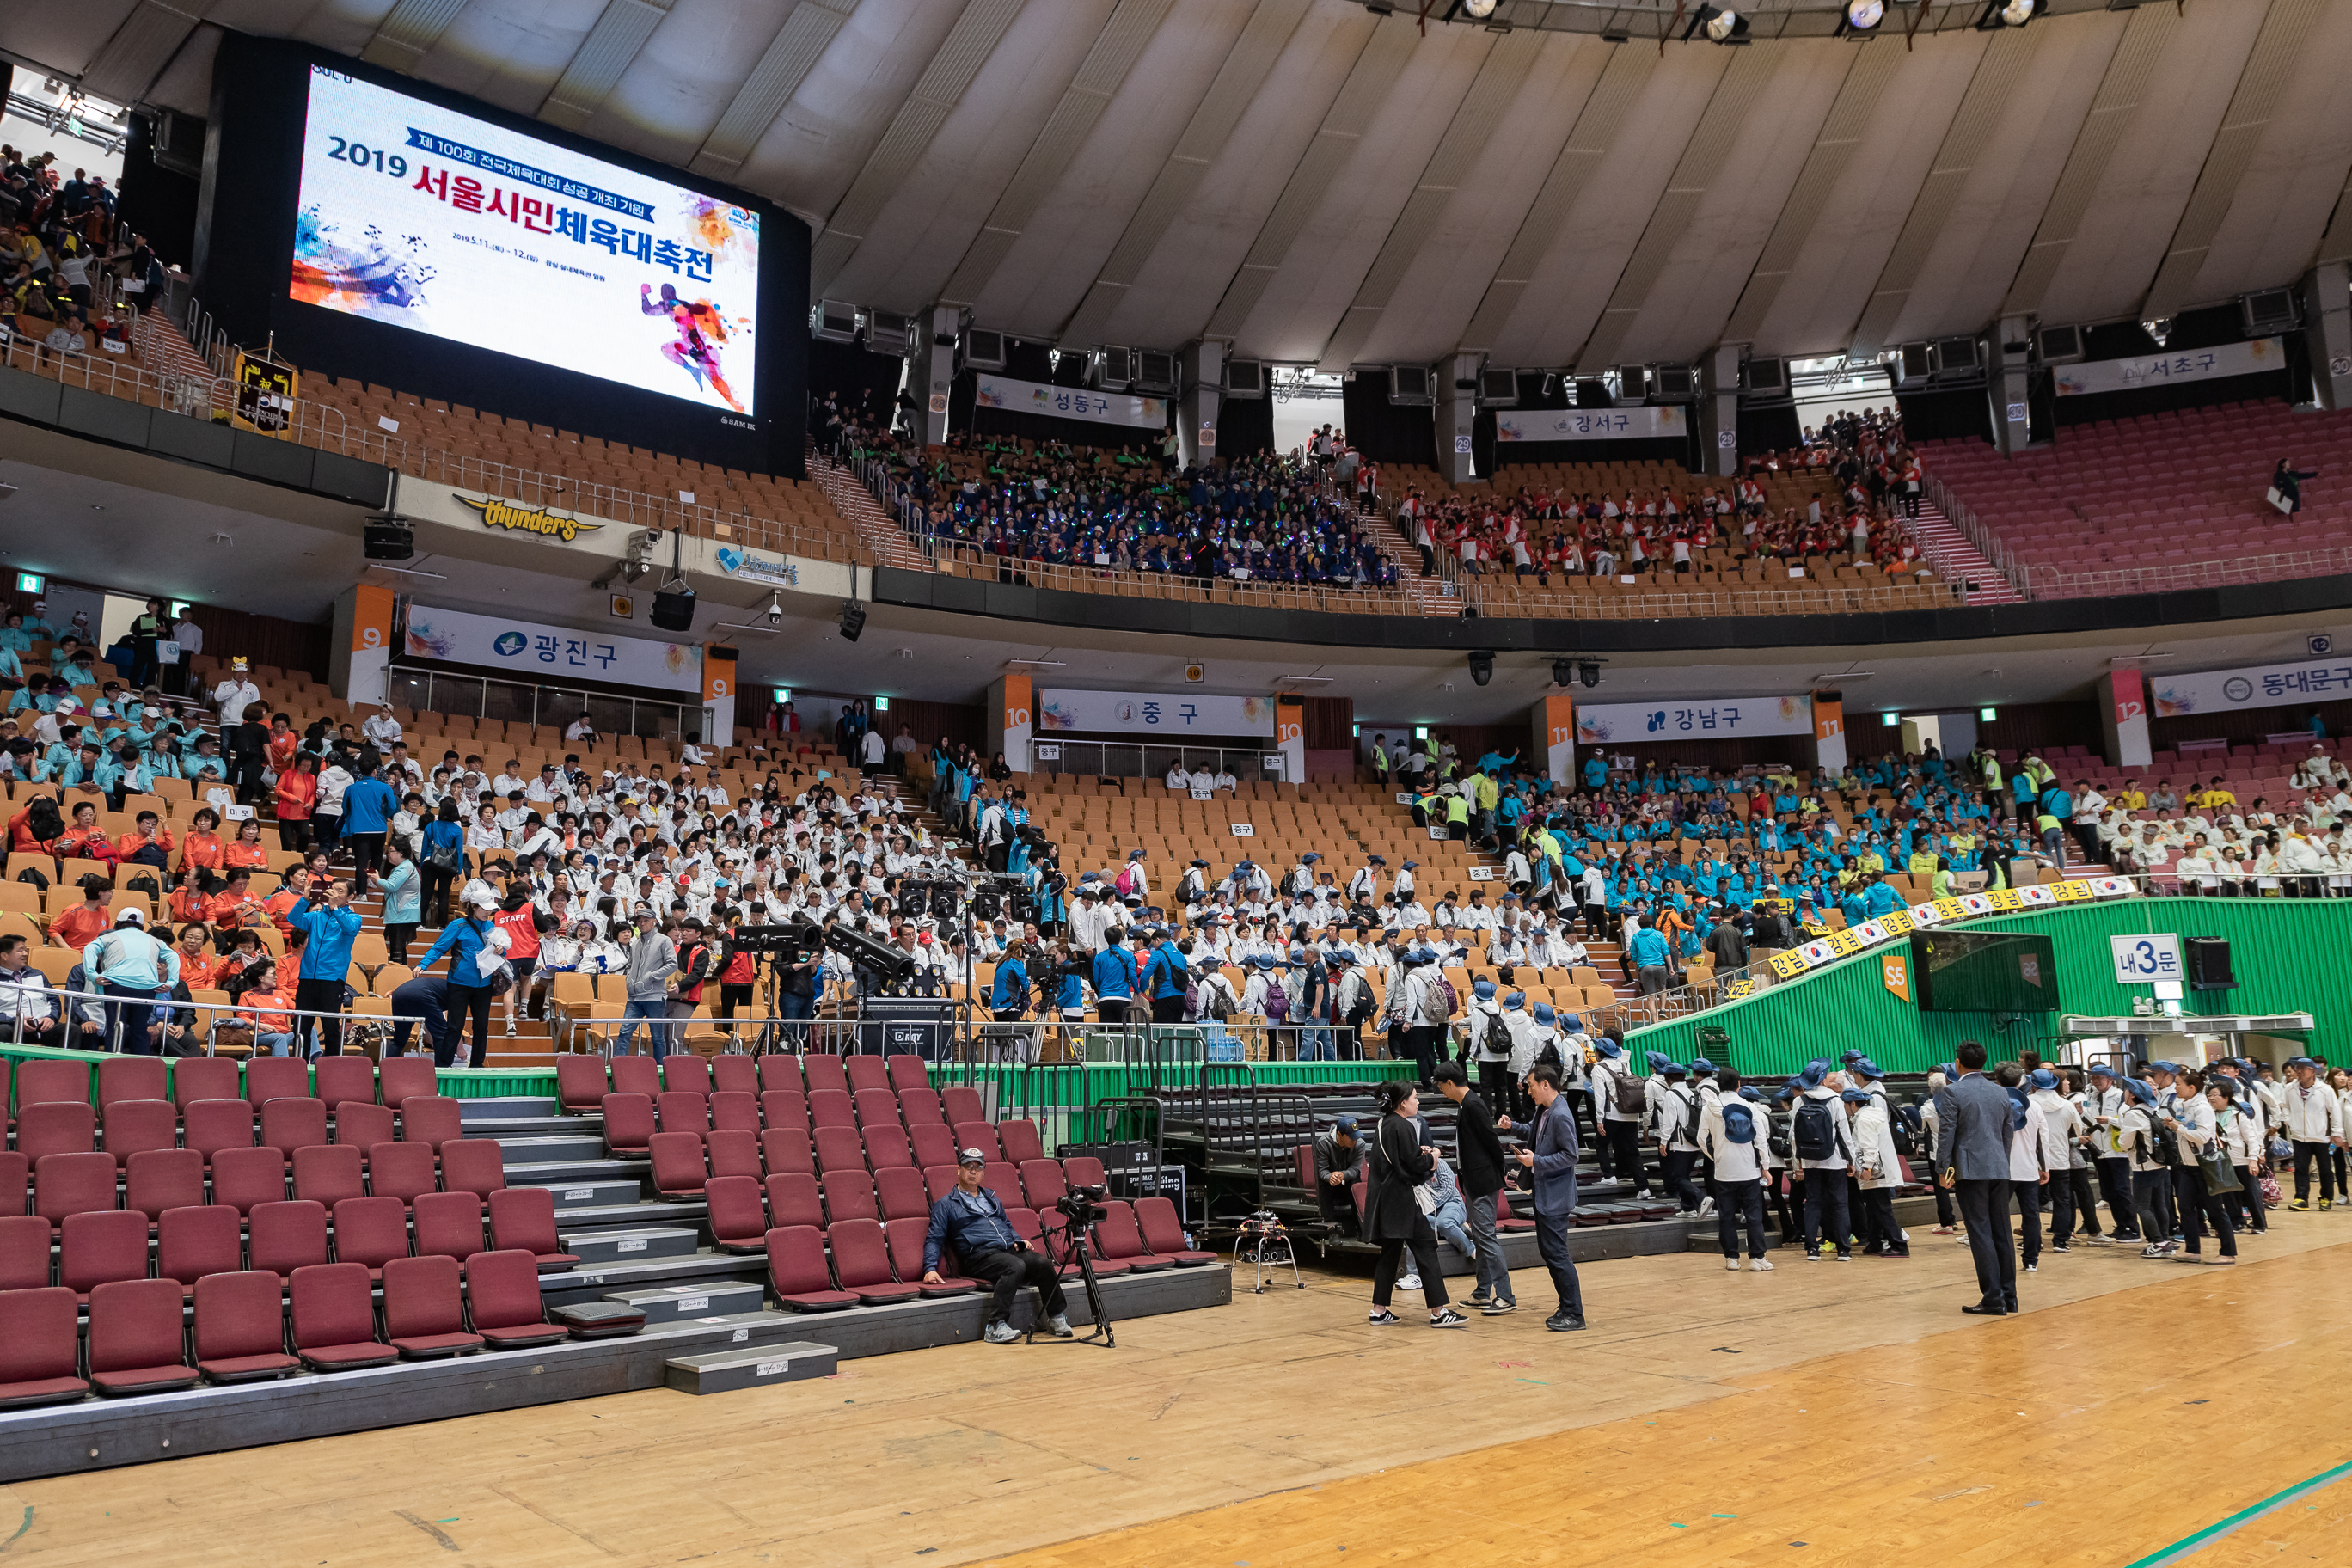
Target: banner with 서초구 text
x=2164 y=369
x=1070 y=402
x=1590 y=423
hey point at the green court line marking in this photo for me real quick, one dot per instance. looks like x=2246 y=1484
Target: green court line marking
x=2190 y=1545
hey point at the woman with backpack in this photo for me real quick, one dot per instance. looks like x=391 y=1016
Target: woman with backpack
x=1393 y=1218
x=441 y=856
x=2148 y=1144
x=1821 y=1144
x=1878 y=1166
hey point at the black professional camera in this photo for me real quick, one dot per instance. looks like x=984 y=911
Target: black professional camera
x=1082 y=1206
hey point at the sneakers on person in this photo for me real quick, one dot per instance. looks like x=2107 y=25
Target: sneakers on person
x=1001 y=1333
x=2060 y=1247
x=1706 y=1207
x=2300 y=1206
x=1944 y=1230
x=2164 y=1249
x=1813 y=1254
x=1561 y=1324
x=2326 y=1203
x=1382 y=1317
x=1502 y=1308
x=2034 y=1269
x=1477 y=1299
x=1410 y=1282
x=1846 y=1256
x=1759 y=1266
x=1448 y=1317
x=1732 y=1263
x=1059 y=1326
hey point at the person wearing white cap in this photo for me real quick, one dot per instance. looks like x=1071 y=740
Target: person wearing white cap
x=133 y=967
x=234 y=695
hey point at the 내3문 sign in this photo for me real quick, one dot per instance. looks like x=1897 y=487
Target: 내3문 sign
x=2144 y=960
x=528 y=519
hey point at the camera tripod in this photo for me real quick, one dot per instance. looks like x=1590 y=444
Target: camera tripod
x=1075 y=1234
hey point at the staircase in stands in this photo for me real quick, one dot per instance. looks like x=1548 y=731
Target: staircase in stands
x=882 y=534
x=164 y=351
x=1958 y=561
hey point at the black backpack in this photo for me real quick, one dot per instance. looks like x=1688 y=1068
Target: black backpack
x=1497 y=1037
x=34 y=875
x=1813 y=1130
x=1910 y=1131
x=2160 y=1144
x=42 y=820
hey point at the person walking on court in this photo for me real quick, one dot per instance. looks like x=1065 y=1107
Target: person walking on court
x=1735 y=1135
x=1820 y=1145
x=1550 y=1160
x=1972 y=1116
x=2313 y=1119
x=2103 y=1105
x=1393 y=1218
x=1482 y=1159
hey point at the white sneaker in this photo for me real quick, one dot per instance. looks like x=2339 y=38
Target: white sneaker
x=1732 y=1264
x=1000 y=1334
x=1410 y=1282
x=1759 y=1266
x=1706 y=1207
x=1059 y=1326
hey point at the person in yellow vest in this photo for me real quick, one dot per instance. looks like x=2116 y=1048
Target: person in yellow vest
x=1458 y=816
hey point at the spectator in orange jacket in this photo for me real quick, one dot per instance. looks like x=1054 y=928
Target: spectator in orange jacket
x=245 y=850
x=84 y=923
x=150 y=843
x=235 y=905
x=279 y=906
x=85 y=840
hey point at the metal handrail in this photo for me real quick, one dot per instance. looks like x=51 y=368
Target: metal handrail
x=217 y=1014
x=1972 y=527
x=2052 y=582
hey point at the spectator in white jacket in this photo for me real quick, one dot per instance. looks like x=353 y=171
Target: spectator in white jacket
x=2196 y=1118
x=1820 y=1141
x=1878 y=1166
x=2062 y=1127
x=2028 y=1173
x=1733 y=1133
x=2311 y=1115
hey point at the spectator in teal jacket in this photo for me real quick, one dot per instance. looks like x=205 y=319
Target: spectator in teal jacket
x=328 y=926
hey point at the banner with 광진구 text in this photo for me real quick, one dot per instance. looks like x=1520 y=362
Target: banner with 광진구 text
x=1070 y=402
x=1590 y=423
x=526 y=650
x=1615 y=724
x=2164 y=369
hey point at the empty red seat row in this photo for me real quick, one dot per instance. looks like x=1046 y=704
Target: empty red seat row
x=155 y=1180
x=583 y=1081
x=186 y=1079
x=285 y=1123
x=139 y=1340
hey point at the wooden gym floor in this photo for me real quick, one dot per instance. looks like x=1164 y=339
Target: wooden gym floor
x=2136 y=1413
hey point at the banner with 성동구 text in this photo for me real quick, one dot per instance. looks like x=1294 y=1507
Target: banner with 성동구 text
x=1070 y=402
x=2164 y=369
x=1590 y=424
x=526 y=650
x=1615 y=724
x=1153 y=713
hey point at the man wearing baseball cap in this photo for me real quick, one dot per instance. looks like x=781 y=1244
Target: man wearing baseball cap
x=972 y=1219
x=133 y=967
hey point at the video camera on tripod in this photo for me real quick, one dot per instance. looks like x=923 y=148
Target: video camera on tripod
x=1081 y=1209
x=797 y=939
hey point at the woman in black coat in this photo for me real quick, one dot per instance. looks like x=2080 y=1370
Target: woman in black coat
x=1400 y=1162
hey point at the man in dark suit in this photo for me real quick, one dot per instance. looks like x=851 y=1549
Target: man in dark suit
x=1552 y=1161
x=1972 y=1155
x=1482 y=1160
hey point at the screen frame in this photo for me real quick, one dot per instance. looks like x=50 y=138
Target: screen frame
x=1924 y=971
x=244 y=269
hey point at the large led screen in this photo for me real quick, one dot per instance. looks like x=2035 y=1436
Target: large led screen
x=423 y=218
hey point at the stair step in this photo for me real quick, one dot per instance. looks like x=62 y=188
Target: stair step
x=584 y=1193
x=637 y=1212
x=552 y=1148
x=669 y=1303
x=750 y=1366
x=561 y=1172
x=599 y=1247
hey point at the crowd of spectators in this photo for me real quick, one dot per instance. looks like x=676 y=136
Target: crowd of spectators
x=1866 y=474
x=1009 y=502
x=67 y=261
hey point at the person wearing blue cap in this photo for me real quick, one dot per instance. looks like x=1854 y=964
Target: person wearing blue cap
x=1734 y=1134
x=2104 y=1104
x=2062 y=1131
x=1678 y=1119
x=2145 y=1139
x=1877 y=1168
x=1420 y=1005
x=1972 y=1128
x=2029 y=1175
x=1623 y=1100
x=2164 y=1078
x=2312 y=1117
x=1820 y=1141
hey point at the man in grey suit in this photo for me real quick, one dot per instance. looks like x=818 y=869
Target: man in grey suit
x=1972 y=1154
x=1551 y=1159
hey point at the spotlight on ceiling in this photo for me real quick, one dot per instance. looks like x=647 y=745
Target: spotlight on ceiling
x=1563 y=672
x=1591 y=671
x=2159 y=330
x=1721 y=24
x=1482 y=667
x=1863 y=15
x=2010 y=13
x=1479 y=10
x=853 y=620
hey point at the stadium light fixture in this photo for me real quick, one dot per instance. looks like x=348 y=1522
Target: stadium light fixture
x=1591 y=672
x=1482 y=667
x=2008 y=14
x=1477 y=10
x=1563 y=672
x=1721 y=24
x=1863 y=15
x=853 y=620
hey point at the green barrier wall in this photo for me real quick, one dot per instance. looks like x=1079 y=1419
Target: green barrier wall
x=2288 y=956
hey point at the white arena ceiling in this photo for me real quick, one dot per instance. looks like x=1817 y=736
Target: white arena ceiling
x=1320 y=183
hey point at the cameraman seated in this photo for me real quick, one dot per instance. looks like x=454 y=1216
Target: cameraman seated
x=1338 y=1165
x=971 y=1220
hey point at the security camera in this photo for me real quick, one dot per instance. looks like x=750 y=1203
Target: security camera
x=1482 y=667
x=775 y=609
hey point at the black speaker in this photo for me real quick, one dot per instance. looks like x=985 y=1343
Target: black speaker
x=388 y=542
x=674 y=610
x=2209 y=964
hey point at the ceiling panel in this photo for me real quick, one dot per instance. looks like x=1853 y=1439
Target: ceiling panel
x=2107 y=270
x=685 y=75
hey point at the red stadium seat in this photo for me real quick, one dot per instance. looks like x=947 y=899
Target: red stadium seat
x=798 y=1273
x=510 y=1314
x=138 y=1341
x=333 y=1313
x=241 y=1327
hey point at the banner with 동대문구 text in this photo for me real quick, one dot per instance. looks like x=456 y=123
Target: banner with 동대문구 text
x=2164 y=369
x=1590 y=424
x=526 y=650
x=1615 y=724
x=1153 y=713
x=1070 y=402
x=2249 y=686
